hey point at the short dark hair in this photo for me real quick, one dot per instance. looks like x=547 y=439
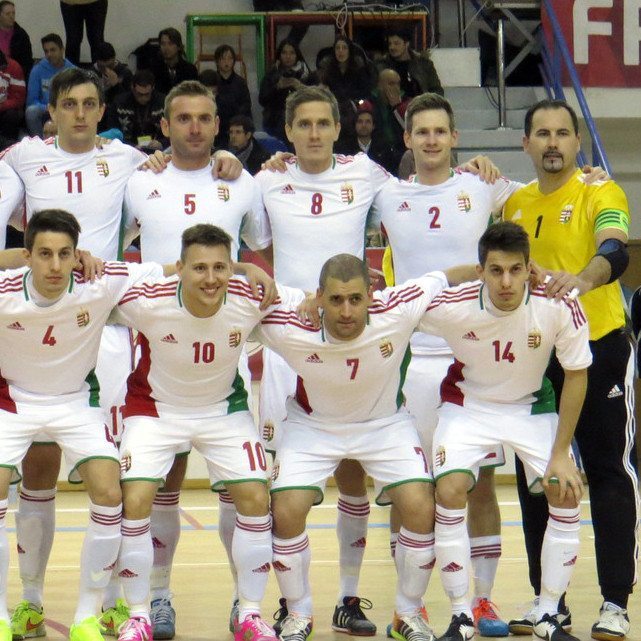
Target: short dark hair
x=506 y=237
x=293 y=44
x=310 y=94
x=56 y=220
x=207 y=235
x=243 y=121
x=143 y=78
x=187 y=88
x=209 y=78
x=344 y=267
x=4 y=3
x=428 y=102
x=403 y=33
x=64 y=81
x=105 y=51
x=549 y=104
x=52 y=37
x=221 y=50
x=174 y=37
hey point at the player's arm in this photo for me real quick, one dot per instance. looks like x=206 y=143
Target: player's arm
x=257 y=278
x=482 y=167
x=12 y=258
x=461 y=274
x=91 y=266
x=223 y=164
x=561 y=466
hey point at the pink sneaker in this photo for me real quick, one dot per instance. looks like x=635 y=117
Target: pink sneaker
x=135 y=629
x=253 y=628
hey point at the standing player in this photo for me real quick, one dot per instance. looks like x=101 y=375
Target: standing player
x=161 y=207
x=502 y=336
x=53 y=318
x=581 y=231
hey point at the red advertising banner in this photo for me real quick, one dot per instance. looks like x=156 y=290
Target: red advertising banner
x=603 y=37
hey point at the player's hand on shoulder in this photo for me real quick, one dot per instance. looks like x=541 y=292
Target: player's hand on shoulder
x=309 y=311
x=102 y=142
x=592 y=175
x=92 y=267
x=156 y=162
x=225 y=165
x=482 y=167
x=278 y=161
x=563 y=472
x=560 y=284
x=258 y=278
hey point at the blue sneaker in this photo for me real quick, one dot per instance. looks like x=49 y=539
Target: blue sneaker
x=487 y=621
x=163 y=619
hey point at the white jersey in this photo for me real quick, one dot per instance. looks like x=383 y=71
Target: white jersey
x=90 y=185
x=359 y=380
x=315 y=216
x=48 y=354
x=162 y=206
x=11 y=197
x=189 y=365
x=436 y=227
x=501 y=357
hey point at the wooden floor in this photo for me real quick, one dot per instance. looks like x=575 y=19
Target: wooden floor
x=201 y=579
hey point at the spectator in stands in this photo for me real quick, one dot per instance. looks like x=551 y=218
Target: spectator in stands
x=13 y=92
x=172 y=67
x=416 y=70
x=75 y=15
x=39 y=80
x=116 y=76
x=137 y=113
x=288 y=74
x=14 y=40
x=232 y=97
x=210 y=79
x=244 y=146
x=361 y=140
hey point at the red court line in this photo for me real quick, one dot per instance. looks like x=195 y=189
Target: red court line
x=58 y=627
x=195 y=523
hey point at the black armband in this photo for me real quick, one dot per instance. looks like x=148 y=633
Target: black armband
x=615 y=252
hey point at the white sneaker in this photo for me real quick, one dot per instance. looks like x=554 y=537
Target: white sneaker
x=613 y=623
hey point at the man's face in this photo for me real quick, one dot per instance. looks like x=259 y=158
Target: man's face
x=54 y=54
x=51 y=260
x=225 y=64
x=397 y=47
x=192 y=126
x=168 y=50
x=77 y=114
x=364 y=125
x=552 y=144
x=204 y=275
x=313 y=131
x=238 y=138
x=344 y=307
x=7 y=17
x=142 y=93
x=431 y=139
x=103 y=65
x=389 y=82
x=505 y=274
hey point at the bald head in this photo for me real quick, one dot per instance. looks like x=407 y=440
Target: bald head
x=387 y=78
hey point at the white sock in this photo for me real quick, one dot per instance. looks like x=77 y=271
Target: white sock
x=226 y=528
x=393 y=538
x=113 y=591
x=558 y=557
x=4 y=560
x=414 y=563
x=291 y=561
x=351 y=530
x=452 y=545
x=98 y=557
x=165 y=532
x=485 y=552
x=252 y=552
x=35 y=527
x=135 y=562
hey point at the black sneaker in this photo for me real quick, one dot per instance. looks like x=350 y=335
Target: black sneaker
x=524 y=625
x=549 y=629
x=461 y=629
x=279 y=616
x=349 y=617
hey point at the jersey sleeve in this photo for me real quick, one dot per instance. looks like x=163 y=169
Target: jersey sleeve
x=609 y=208
x=136 y=157
x=255 y=230
x=123 y=276
x=11 y=195
x=572 y=341
x=130 y=223
x=378 y=176
x=502 y=189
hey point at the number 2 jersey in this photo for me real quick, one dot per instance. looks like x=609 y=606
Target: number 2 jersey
x=501 y=357
x=48 y=354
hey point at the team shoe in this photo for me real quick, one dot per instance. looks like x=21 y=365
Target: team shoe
x=88 y=629
x=390 y=626
x=280 y=615
x=112 y=618
x=163 y=619
x=411 y=627
x=613 y=623
x=549 y=628
x=487 y=621
x=5 y=631
x=253 y=628
x=27 y=621
x=351 y=619
x=523 y=626
x=296 y=628
x=135 y=629
x=461 y=629
x=233 y=616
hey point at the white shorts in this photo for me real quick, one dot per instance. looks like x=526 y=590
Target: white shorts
x=228 y=443
x=389 y=451
x=277 y=384
x=464 y=438
x=79 y=430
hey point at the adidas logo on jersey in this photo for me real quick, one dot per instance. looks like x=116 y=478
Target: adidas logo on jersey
x=615 y=392
x=313 y=358
x=470 y=336
x=452 y=567
x=154 y=194
x=43 y=171
x=16 y=325
x=262 y=569
x=404 y=206
x=169 y=339
x=287 y=189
